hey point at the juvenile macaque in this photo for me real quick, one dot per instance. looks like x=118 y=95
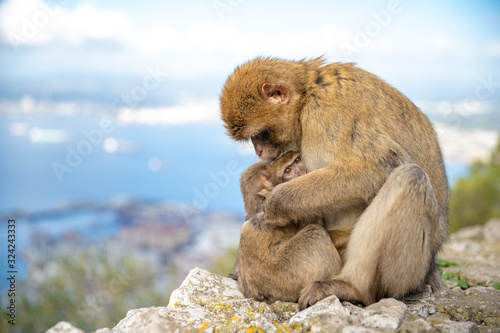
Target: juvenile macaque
x=288 y=167
x=366 y=147
x=255 y=188
x=276 y=263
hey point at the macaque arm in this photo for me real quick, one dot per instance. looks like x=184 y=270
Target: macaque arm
x=321 y=190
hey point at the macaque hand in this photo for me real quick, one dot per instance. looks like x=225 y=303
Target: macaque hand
x=276 y=211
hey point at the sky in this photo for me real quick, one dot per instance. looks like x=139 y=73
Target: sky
x=157 y=62
x=170 y=53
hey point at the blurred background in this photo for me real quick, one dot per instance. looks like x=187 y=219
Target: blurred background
x=116 y=166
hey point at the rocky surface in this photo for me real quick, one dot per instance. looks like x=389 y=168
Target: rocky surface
x=64 y=327
x=206 y=302
x=476 y=253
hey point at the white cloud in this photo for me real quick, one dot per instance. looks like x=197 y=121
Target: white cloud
x=190 y=112
x=186 y=110
x=205 y=48
x=224 y=46
x=465 y=146
x=493 y=49
x=396 y=43
x=89 y=23
x=20 y=24
x=159 y=37
x=461 y=108
x=33 y=22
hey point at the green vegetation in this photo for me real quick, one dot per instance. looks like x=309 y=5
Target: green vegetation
x=476 y=199
x=450 y=277
x=225 y=263
x=85 y=289
x=441 y=263
x=91 y=292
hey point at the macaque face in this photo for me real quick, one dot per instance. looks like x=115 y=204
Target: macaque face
x=274 y=143
x=296 y=169
x=265 y=147
x=285 y=168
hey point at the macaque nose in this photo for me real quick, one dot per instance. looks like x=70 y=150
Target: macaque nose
x=259 y=150
x=259 y=147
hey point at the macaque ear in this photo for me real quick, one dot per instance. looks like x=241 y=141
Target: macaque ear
x=275 y=93
x=266 y=180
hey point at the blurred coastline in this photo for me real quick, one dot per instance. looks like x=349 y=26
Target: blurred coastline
x=60 y=159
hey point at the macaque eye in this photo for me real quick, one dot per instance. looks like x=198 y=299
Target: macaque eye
x=288 y=171
x=298 y=159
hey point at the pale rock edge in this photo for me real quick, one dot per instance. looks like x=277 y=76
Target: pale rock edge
x=211 y=303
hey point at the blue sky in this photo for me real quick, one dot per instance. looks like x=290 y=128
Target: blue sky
x=98 y=50
x=81 y=57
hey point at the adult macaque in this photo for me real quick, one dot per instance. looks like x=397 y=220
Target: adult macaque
x=365 y=145
x=276 y=263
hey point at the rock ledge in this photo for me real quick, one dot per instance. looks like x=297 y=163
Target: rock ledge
x=211 y=303
x=206 y=302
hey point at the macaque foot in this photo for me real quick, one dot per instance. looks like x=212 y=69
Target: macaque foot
x=315 y=292
x=318 y=290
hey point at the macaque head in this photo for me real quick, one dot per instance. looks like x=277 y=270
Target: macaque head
x=287 y=167
x=262 y=101
x=260 y=179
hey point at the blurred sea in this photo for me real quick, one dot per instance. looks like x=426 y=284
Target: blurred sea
x=196 y=164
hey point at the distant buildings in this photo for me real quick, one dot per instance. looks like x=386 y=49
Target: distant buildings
x=162 y=236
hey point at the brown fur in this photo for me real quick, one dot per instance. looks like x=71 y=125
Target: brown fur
x=354 y=131
x=276 y=263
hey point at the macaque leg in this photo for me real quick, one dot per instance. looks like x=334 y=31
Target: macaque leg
x=280 y=270
x=301 y=260
x=311 y=253
x=390 y=250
